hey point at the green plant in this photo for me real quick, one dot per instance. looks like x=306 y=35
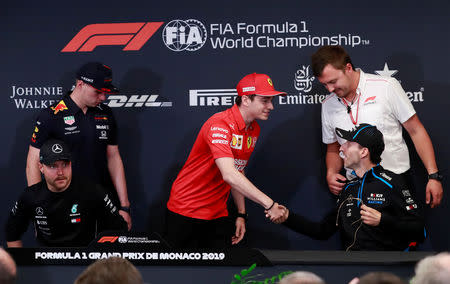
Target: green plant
x=244 y=278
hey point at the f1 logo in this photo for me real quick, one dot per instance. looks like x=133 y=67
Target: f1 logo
x=110 y=239
x=133 y=35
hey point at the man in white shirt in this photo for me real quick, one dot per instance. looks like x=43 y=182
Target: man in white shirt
x=355 y=98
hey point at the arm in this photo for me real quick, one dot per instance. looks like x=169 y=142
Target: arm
x=239 y=200
x=18 y=220
x=240 y=183
x=409 y=226
x=108 y=213
x=317 y=230
x=334 y=165
x=424 y=148
x=405 y=219
x=14 y=244
x=32 y=169
x=401 y=218
x=117 y=172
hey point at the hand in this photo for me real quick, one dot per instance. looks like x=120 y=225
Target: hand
x=370 y=216
x=275 y=212
x=240 y=231
x=354 y=281
x=284 y=217
x=335 y=182
x=434 y=193
x=126 y=216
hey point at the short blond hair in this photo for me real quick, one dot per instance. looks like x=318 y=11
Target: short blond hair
x=302 y=277
x=113 y=270
x=433 y=269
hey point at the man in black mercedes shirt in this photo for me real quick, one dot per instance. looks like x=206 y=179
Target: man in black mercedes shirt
x=375 y=211
x=64 y=210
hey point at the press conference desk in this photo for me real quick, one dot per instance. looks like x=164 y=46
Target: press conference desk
x=162 y=265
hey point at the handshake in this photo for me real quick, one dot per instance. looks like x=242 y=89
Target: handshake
x=277 y=214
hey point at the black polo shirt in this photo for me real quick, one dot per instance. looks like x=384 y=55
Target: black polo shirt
x=401 y=218
x=64 y=219
x=87 y=135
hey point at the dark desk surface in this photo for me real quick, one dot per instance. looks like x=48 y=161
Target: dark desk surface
x=332 y=266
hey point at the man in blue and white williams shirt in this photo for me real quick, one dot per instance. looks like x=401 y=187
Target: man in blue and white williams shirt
x=374 y=211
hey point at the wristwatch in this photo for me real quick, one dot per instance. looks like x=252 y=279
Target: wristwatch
x=437 y=176
x=125 y=208
x=242 y=215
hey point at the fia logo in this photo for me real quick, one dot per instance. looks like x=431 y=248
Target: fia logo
x=179 y=35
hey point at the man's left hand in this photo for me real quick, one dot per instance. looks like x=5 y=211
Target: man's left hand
x=126 y=216
x=370 y=216
x=434 y=193
x=240 y=231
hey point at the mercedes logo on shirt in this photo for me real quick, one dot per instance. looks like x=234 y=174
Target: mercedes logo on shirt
x=56 y=148
x=39 y=211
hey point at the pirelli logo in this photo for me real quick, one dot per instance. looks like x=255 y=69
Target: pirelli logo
x=212 y=97
x=132 y=35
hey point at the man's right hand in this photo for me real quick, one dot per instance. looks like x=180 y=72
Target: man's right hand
x=126 y=216
x=282 y=218
x=275 y=212
x=335 y=182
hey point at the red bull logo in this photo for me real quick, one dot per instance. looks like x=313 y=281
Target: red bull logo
x=61 y=106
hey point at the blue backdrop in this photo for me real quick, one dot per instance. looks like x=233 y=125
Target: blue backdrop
x=178 y=62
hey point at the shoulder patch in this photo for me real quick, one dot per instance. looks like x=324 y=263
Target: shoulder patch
x=61 y=106
x=386 y=176
x=384 y=180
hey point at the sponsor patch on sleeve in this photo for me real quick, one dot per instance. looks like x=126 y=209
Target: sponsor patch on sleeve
x=236 y=141
x=411 y=207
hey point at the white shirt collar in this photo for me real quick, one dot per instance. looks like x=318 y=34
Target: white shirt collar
x=362 y=81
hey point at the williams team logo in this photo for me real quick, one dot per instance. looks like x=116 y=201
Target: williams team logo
x=179 y=35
